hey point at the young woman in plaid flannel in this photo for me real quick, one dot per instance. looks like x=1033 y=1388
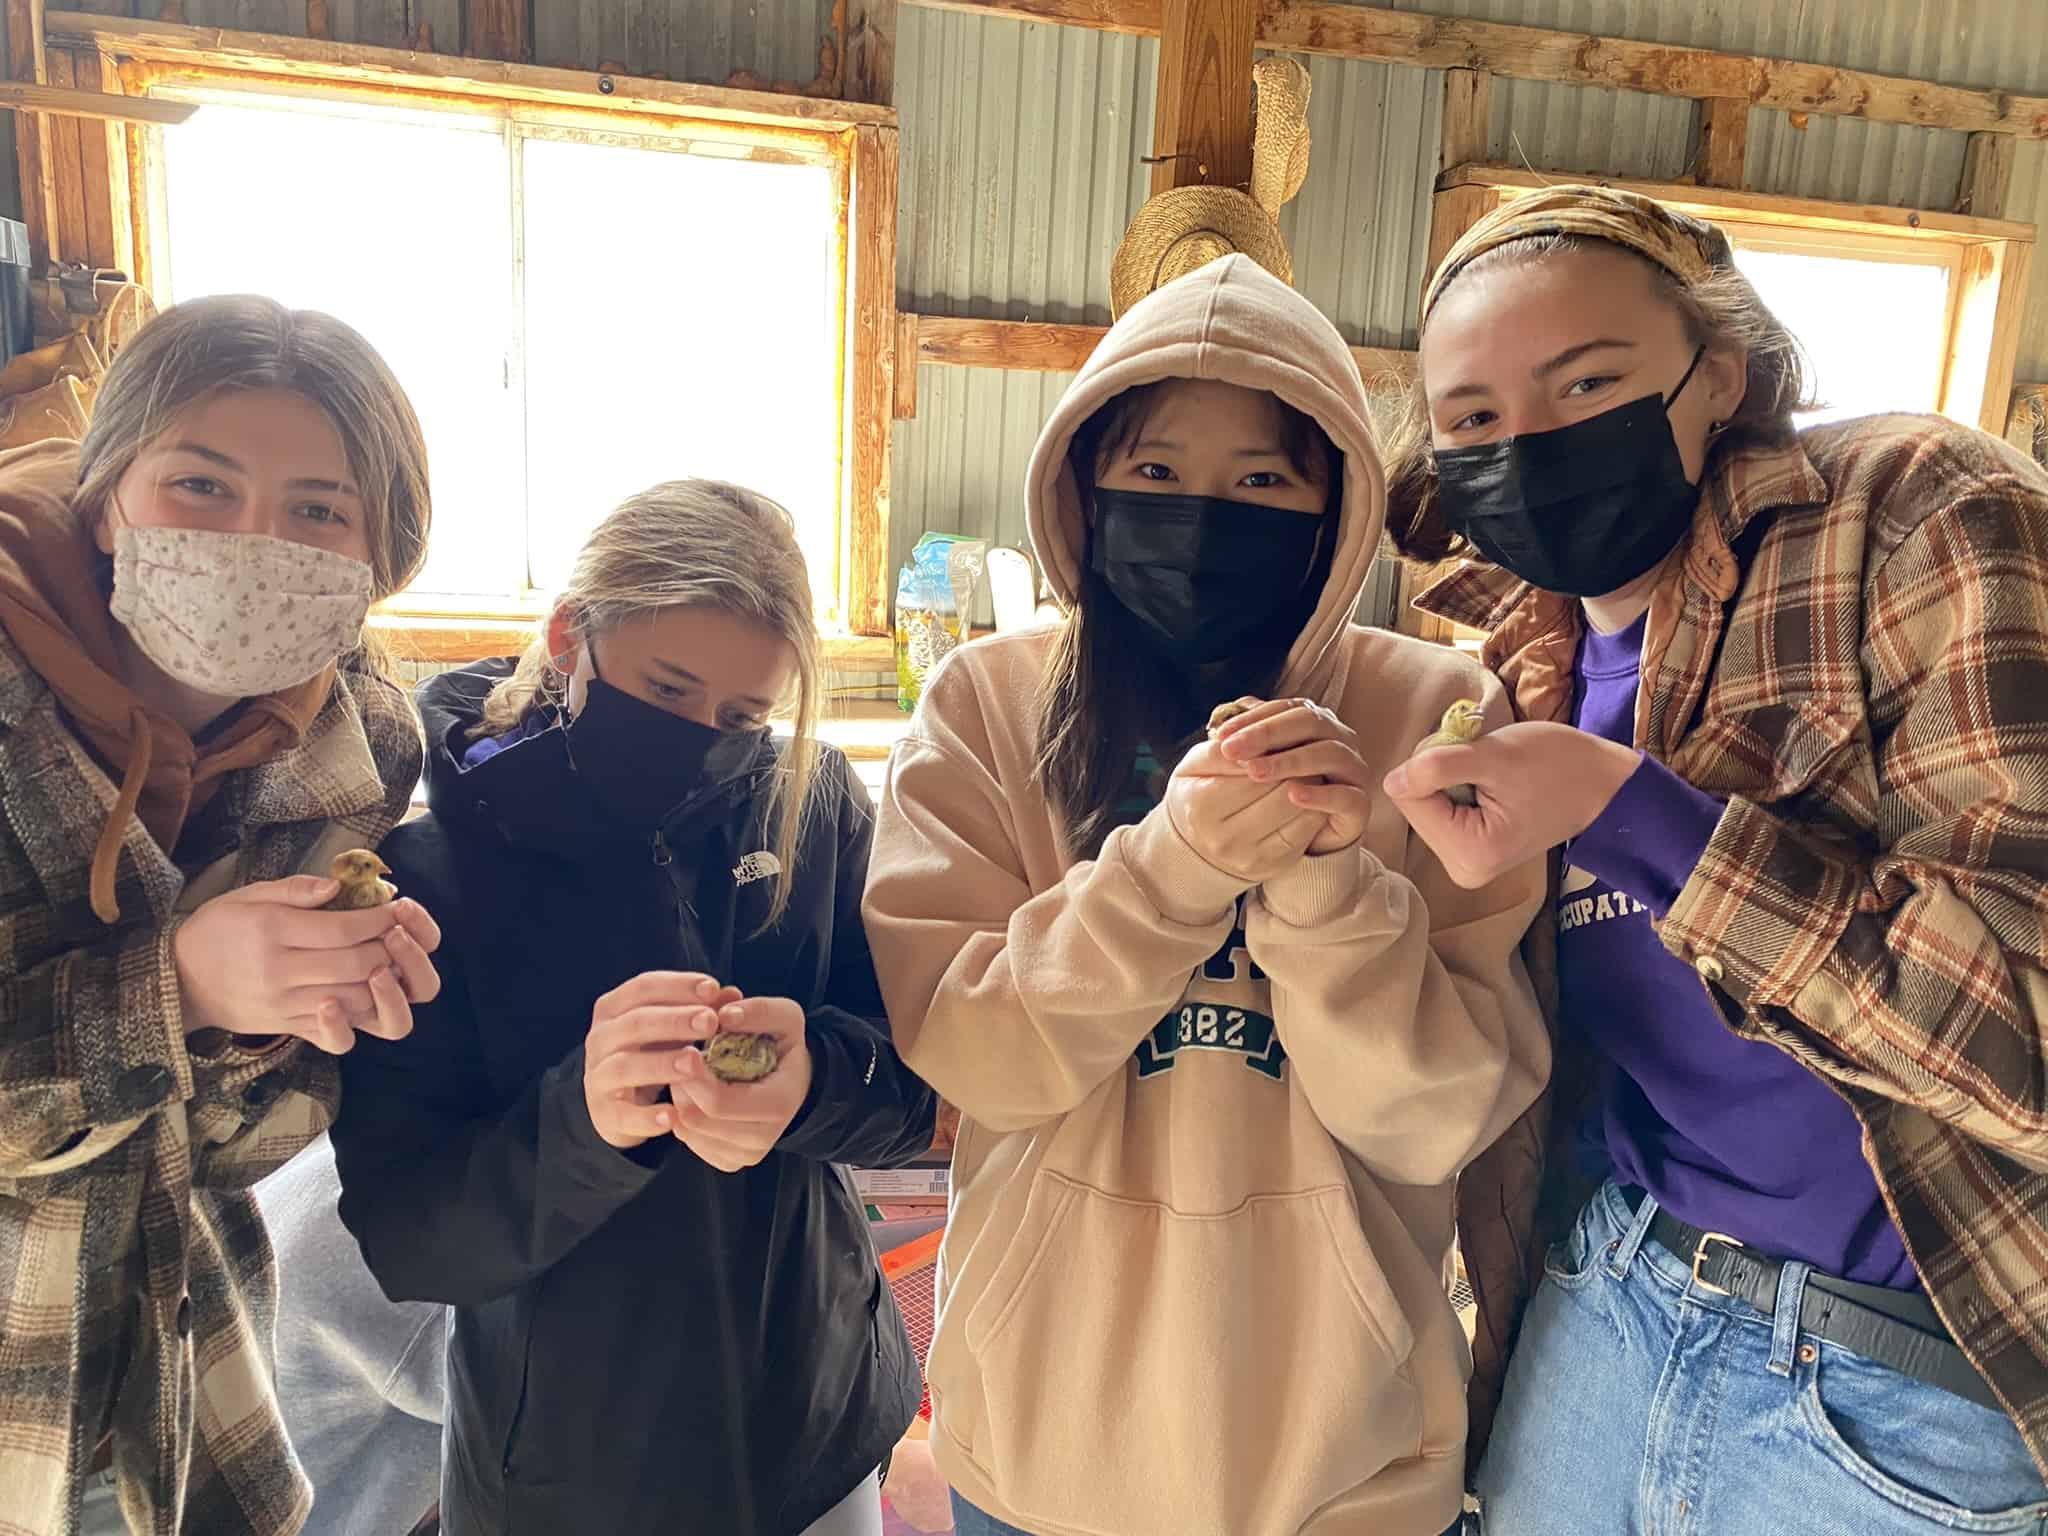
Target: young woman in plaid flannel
x=190 y=731
x=1784 y=703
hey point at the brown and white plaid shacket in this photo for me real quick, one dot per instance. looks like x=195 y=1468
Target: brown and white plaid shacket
x=137 y=1288
x=1870 y=697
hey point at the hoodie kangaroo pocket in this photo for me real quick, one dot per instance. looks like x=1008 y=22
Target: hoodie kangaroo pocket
x=1145 y=1372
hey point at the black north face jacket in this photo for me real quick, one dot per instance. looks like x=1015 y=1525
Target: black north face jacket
x=642 y=1343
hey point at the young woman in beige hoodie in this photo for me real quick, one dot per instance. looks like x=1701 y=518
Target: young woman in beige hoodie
x=1221 y=1029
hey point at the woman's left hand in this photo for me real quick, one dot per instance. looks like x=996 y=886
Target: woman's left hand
x=733 y=1126
x=915 y=1489
x=1539 y=785
x=1300 y=741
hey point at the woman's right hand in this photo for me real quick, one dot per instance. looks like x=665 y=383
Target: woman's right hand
x=264 y=960
x=1248 y=829
x=632 y=1052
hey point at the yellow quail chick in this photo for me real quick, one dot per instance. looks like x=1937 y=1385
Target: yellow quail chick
x=737 y=1058
x=1461 y=726
x=358 y=871
x=1223 y=714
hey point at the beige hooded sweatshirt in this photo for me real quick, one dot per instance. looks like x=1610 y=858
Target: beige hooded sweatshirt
x=1193 y=1283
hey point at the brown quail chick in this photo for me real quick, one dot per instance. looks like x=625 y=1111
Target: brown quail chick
x=1223 y=714
x=738 y=1058
x=358 y=870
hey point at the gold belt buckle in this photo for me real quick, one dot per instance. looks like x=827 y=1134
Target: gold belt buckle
x=1699 y=1257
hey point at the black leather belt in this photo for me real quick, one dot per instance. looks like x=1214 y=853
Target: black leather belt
x=1895 y=1328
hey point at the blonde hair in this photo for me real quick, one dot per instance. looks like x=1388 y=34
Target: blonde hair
x=1723 y=310
x=692 y=544
x=240 y=342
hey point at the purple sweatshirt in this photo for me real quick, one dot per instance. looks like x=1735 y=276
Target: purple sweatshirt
x=1731 y=1135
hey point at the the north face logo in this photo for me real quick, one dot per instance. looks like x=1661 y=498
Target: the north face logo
x=756 y=866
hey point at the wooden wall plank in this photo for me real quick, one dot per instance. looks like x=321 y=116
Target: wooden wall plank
x=109 y=234
x=1202 y=127
x=496 y=29
x=31 y=130
x=67 y=159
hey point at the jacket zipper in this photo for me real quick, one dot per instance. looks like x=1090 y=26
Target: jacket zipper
x=665 y=860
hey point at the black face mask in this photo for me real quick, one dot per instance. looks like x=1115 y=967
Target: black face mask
x=1209 y=579
x=642 y=763
x=1582 y=510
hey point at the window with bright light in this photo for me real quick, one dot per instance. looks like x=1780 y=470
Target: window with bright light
x=1875 y=323
x=576 y=316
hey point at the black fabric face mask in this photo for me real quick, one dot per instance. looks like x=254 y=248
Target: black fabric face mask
x=642 y=763
x=1208 y=578
x=1581 y=510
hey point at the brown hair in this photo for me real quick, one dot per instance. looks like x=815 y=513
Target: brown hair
x=1105 y=693
x=240 y=342
x=1722 y=311
x=692 y=544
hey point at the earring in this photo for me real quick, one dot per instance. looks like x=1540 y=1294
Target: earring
x=1716 y=428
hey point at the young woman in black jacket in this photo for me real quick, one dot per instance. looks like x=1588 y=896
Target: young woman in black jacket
x=669 y=1314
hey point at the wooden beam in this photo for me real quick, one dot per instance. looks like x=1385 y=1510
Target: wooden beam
x=1202 y=125
x=1724 y=142
x=1032 y=347
x=1763 y=208
x=874 y=378
x=32 y=150
x=311 y=59
x=317 y=24
x=495 y=29
x=904 y=363
x=61 y=101
x=871 y=51
x=1570 y=58
x=1987 y=175
x=1468 y=117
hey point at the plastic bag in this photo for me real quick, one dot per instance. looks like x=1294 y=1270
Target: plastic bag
x=935 y=597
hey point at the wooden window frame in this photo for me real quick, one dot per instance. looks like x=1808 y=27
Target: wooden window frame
x=137 y=58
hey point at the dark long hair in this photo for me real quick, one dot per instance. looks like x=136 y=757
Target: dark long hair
x=1107 y=692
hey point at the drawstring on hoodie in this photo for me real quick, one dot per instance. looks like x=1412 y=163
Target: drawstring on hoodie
x=106 y=856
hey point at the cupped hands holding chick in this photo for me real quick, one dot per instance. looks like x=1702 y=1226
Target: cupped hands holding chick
x=311 y=957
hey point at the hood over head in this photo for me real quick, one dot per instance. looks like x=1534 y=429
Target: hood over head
x=1234 y=322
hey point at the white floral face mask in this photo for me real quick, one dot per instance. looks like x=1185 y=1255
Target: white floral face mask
x=236 y=615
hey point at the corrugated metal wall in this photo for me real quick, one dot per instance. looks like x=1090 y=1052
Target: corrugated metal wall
x=1007 y=215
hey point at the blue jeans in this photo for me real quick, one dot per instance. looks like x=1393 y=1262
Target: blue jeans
x=969 y=1521
x=1636 y=1403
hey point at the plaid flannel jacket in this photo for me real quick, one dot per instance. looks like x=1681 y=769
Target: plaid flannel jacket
x=1869 y=694
x=137 y=1288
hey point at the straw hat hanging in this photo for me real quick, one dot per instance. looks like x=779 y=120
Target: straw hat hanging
x=1189 y=227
